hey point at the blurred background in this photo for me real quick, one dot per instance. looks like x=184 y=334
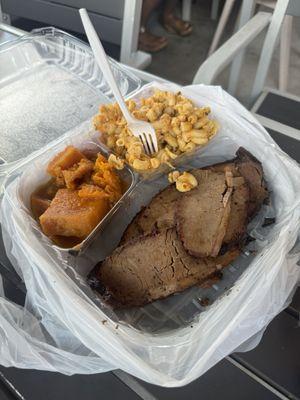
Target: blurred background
x=179 y=56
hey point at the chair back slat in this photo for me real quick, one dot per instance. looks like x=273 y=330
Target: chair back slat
x=235 y=48
x=268 y=47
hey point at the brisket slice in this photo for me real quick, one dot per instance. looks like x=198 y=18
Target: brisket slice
x=133 y=230
x=246 y=200
x=251 y=170
x=158 y=215
x=238 y=218
x=202 y=215
x=153 y=267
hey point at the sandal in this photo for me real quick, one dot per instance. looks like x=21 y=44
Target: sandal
x=151 y=43
x=176 y=25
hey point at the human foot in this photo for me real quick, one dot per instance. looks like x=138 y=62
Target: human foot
x=151 y=43
x=176 y=25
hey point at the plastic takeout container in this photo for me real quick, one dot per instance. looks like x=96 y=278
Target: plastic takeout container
x=174 y=312
x=49 y=84
x=66 y=327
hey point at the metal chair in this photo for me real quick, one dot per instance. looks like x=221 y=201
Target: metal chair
x=234 y=48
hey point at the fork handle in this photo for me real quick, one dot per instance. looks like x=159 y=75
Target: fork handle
x=102 y=60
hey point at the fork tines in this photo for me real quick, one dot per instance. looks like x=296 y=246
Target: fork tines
x=149 y=145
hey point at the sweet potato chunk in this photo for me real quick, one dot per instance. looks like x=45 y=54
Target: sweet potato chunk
x=39 y=205
x=77 y=173
x=64 y=160
x=70 y=215
x=41 y=198
x=92 y=192
x=105 y=177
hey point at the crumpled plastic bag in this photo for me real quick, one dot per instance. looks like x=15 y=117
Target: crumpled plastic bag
x=61 y=328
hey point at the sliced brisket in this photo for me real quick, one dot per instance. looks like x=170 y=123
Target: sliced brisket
x=203 y=214
x=153 y=267
x=175 y=241
x=158 y=215
x=251 y=170
x=238 y=218
x=239 y=203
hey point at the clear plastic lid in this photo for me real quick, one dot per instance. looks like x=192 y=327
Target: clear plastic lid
x=49 y=83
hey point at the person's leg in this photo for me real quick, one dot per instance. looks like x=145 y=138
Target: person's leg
x=170 y=6
x=148 y=7
x=172 y=23
x=147 y=41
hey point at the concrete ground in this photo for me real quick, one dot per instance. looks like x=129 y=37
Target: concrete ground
x=181 y=59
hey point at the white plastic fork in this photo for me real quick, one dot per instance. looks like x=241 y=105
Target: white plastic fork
x=141 y=129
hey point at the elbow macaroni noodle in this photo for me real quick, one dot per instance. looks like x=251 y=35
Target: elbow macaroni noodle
x=184 y=182
x=180 y=126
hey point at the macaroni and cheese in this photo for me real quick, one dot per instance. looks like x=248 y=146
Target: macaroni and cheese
x=180 y=126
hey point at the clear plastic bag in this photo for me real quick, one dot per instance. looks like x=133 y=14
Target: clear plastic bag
x=64 y=328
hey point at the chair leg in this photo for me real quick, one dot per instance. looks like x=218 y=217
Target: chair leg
x=221 y=25
x=285 y=50
x=214 y=9
x=130 y=54
x=186 y=10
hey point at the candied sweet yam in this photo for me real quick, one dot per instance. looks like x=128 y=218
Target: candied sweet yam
x=101 y=163
x=71 y=215
x=78 y=172
x=41 y=198
x=105 y=178
x=92 y=192
x=81 y=193
x=64 y=160
x=39 y=205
